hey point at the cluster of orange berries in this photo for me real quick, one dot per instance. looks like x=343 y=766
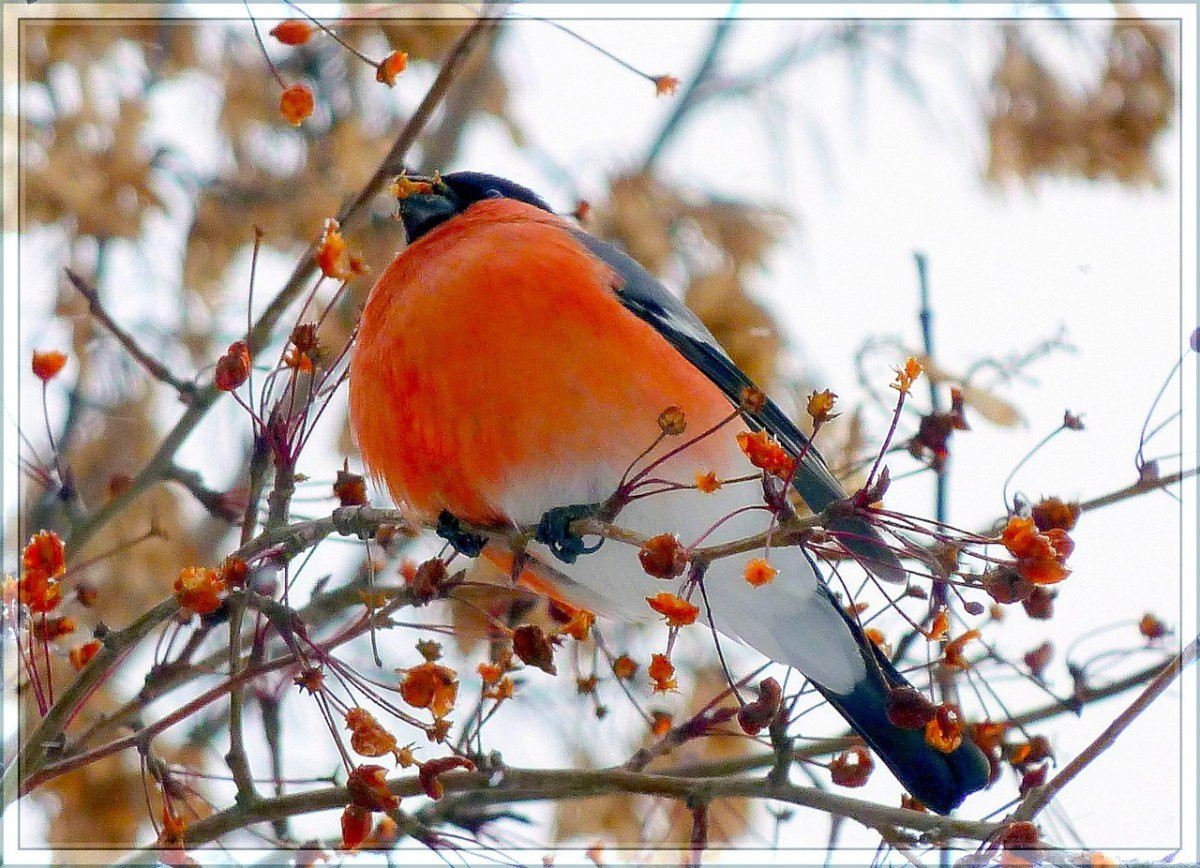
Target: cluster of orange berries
x=40 y=591
x=1040 y=546
x=296 y=104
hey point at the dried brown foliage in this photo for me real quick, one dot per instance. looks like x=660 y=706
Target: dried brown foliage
x=1039 y=124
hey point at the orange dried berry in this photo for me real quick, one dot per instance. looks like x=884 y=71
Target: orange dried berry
x=663 y=556
x=428 y=579
x=1039 y=605
x=234 y=572
x=1043 y=571
x=86 y=594
x=952 y=655
x=350 y=488
x=765 y=454
x=939 y=627
x=390 y=67
x=754 y=716
x=431 y=686
x=751 y=400
x=45 y=553
x=1152 y=627
x=332 y=255
x=820 y=407
x=1032 y=779
x=672 y=421
x=532 y=647
x=298 y=361
x=39 y=592
x=662 y=673
x=665 y=85
x=49 y=629
x=1039 y=749
x=907 y=375
x=233 y=368
x=1017 y=754
x=431 y=771
x=910 y=804
x=1052 y=513
x=1021 y=835
x=707 y=483
x=851 y=768
x=367 y=735
x=677 y=611
x=356 y=824
x=758 y=572
x=1060 y=543
x=490 y=673
x=170 y=838
x=48 y=364
x=580 y=625
x=1039 y=658
x=624 y=667
x=986 y=734
x=660 y=722
x=310 y=679
x=1005 y=585
x=369 y=790
x=293 y=31
x=1022 y=539
x=385 y=834
x=199 y=589
x=504 y=690
x=81 y=655
x=945 y=731
x=576 y=623
x=907 y=708
x=296 y=104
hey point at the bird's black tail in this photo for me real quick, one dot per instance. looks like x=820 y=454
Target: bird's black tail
x=939 y=780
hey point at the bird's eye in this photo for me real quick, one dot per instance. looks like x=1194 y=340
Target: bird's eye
x=493 y=193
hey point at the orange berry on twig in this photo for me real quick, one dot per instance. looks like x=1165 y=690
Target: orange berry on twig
x=293 y=31
x=48 y=364
x=296 y=104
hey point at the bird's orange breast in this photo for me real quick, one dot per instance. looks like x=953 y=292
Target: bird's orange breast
x=496 y=373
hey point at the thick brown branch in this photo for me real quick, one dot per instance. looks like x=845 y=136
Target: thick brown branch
x=511 y=786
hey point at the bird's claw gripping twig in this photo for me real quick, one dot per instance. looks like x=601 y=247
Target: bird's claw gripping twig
x=554 y=530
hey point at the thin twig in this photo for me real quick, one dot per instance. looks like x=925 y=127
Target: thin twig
x=1042 y=796
x=153 y=366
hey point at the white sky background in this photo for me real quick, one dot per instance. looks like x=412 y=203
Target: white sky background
x=1007 y=268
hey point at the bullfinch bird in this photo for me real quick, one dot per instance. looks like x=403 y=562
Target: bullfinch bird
x=510 y=367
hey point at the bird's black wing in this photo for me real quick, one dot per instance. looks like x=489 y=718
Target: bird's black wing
x=642 y=294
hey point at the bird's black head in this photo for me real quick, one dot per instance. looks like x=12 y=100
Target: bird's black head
x=429 y=202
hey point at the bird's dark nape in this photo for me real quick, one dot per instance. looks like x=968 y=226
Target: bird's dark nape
x=451 y=195
x=472 y=187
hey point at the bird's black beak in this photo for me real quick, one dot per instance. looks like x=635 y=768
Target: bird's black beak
x=424 y=204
